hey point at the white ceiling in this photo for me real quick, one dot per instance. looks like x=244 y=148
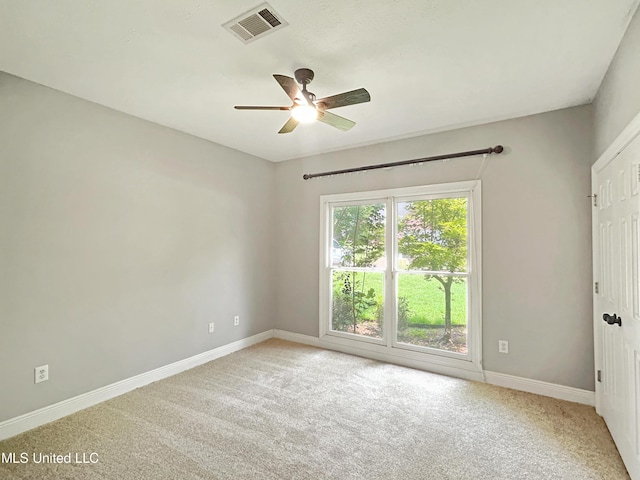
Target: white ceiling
x=429 y=65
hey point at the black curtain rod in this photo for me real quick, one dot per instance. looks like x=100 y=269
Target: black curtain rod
x=470 y=153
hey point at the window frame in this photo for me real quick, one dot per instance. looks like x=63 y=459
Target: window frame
x=388 y=348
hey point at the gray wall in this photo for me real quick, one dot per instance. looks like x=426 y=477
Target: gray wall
x=536 y=235
x=119 y=241
x=618 y=99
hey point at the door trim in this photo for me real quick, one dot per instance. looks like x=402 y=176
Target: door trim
x=622 y=141
x=628 y=135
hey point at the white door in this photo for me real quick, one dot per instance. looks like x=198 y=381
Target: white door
x=617 y=303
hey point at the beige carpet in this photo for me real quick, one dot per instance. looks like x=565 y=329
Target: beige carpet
x=280 y=410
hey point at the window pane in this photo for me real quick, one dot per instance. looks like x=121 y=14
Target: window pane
x=432 y=311
x=357 y=304
x=358 y=236
x=432 y=235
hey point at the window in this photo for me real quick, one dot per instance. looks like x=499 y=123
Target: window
x=358 y=267
x=400 y=272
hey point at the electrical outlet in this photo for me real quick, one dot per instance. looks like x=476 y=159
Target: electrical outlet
x=211 y=327
x=236 y=320
x=42 y=373
x=503 y=346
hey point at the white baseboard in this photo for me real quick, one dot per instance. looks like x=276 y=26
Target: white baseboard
x=297 y=337
x=553 y=390
x=411 y=360
x=34 y=419
x=30 y=420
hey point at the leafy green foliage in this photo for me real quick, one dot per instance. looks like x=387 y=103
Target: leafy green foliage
x=433 y=235
x=355 y=305
x=359 y=230
x=404 y=313
x=424 y=299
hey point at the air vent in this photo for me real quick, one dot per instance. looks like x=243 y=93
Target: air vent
x=256 y=23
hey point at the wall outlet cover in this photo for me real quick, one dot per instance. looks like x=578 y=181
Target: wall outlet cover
x=41 y=373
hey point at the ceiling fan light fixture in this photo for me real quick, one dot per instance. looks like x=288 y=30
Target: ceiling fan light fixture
x=304 y=113
x=305 y=107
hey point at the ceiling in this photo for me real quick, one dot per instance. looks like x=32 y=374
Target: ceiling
x=429 y=65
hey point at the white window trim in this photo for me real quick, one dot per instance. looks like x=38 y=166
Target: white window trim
x=420 y=357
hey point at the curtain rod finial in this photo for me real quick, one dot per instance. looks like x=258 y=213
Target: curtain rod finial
x=498 y=149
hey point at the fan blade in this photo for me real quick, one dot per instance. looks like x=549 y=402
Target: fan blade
x=255 y=107
x=334 y=120
x=289 y=126
x=343 y=99
x=289 y=85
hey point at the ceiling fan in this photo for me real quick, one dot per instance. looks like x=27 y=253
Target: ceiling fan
x=306 y=108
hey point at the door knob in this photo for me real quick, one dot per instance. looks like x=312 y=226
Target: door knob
x=612 y=319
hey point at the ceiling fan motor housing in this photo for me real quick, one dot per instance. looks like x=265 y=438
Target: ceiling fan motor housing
x=304 y=76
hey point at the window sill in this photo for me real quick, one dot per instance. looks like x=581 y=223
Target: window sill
x=457 y=367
